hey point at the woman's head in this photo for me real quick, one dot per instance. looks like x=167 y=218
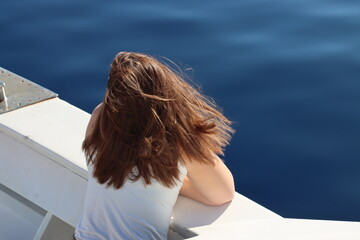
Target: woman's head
x=150 y=118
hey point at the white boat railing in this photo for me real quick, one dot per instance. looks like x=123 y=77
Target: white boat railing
x=43 y=181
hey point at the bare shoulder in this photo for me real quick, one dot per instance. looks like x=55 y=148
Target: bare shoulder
x=94 y=116
x=97 y=109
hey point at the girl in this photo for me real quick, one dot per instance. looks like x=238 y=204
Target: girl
x=153 y=136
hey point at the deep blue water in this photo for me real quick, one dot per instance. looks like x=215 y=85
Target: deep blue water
x=287 y=72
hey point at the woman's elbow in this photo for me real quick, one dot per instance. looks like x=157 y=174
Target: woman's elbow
x=226 y=194
x=222 y=198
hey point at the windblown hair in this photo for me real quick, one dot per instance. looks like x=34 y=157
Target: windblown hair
x=150 y=118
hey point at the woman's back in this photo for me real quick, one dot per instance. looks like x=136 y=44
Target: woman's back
x=135 y=211
x=153 y=136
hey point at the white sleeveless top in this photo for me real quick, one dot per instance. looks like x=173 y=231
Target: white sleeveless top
x=135 y=211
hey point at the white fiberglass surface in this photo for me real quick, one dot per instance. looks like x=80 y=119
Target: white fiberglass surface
x=20 y=218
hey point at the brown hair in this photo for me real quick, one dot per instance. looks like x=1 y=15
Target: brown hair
x=150 y=117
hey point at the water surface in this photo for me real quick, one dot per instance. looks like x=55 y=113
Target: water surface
x=287 y=72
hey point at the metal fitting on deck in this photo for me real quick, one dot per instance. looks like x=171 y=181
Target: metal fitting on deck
x=2 y=92
x=20 y=92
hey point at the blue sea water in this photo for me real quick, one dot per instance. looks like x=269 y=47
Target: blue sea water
x=286 y=72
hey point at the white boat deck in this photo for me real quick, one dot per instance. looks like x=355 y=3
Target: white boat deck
x=43 y=181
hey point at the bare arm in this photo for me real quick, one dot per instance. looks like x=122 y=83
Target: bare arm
x=209 y=184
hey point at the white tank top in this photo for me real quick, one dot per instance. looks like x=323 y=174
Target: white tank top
x=135 y=211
